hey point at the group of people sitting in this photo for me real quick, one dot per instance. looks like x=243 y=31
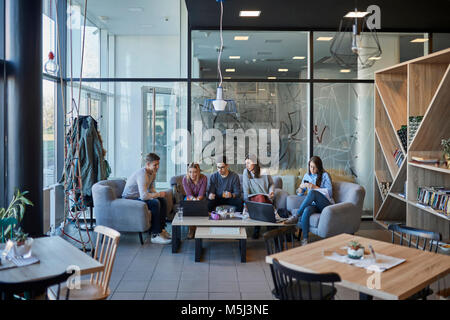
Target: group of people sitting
x=225 y=189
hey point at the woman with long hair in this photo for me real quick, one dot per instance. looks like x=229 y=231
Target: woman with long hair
x=194 y=184
x=320 y=195
x=256 y=187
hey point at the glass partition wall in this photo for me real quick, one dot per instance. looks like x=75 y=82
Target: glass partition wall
x=146 y=79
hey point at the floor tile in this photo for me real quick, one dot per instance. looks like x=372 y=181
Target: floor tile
x=132 y=286
x=192 y=296
x=193 y=286
x=172 y=295
x=128 y=296
x=256 y=296
x=162 y=275
x=163 y=285
x=224 y=296
x=223 y=286
x=254 y=286
x=137 y=275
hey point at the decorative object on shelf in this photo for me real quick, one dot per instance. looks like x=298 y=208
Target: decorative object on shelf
x=403 y=135
x=385 y=186
x=399 y=157
x=414 y=123
x=219 y=104
x=356 y=43
x=435 y=197
x=16 y=209
x=446 y=148
x=355 y=250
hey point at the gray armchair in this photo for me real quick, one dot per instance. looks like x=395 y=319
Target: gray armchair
x=177 y=192
x=123 y=215
x=342 y=217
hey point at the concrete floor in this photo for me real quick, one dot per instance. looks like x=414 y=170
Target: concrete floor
x=151 y=271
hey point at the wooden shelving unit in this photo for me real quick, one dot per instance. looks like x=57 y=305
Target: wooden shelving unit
x=419 y=87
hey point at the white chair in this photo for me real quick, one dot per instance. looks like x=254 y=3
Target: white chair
x=97 y=288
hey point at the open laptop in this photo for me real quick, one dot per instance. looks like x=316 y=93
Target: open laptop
x=195 y=208
x=262 y=212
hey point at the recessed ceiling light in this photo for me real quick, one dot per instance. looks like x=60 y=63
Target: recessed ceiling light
x=324 y=38
x=374 y=58
x=227 y=78
x=262 y=89
x=234 y=57
x=283 y=70
x=241 y=38
x=271 y=78
x=230 y=70
x=272 y=94
x=345 y=70
x=135 y=9
x=298 y=58
x=356 y=14
x=249 y=13
x=419 y=40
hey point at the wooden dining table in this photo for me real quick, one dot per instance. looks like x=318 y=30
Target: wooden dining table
x=420 y=268
x=55 y=256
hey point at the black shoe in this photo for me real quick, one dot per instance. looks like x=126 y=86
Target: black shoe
x=255 y=235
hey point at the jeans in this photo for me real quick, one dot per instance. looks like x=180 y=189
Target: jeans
x=158 y=207
x=314 y=202
x=237 y=202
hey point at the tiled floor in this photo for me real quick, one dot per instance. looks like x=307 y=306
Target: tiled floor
x=152 y=272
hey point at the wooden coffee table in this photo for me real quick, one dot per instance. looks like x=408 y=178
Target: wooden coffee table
x=204 y=224
x=230 y=233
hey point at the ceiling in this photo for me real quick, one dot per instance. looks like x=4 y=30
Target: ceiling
x=150 y=20
x=398 y=15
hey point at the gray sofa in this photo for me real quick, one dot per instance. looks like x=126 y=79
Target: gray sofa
x=178 y=192
x=342 y=217
x=123 y=215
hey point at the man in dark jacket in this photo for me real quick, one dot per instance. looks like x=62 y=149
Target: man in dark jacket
x=224 y=187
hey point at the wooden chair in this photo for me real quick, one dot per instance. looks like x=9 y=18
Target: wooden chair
x=4 y=224
x=278 y=240
x=97 y=288
x=296 y=285
x=421 y=236
x=11 y=291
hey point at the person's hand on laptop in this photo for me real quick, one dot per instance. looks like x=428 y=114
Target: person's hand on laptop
x=212 y=196
x=271 y=195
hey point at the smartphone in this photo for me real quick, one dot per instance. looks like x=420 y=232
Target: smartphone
x=305 y=181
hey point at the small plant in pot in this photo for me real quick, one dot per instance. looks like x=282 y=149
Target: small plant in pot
x=446 y=149
x=22 y=243
x=355 y=250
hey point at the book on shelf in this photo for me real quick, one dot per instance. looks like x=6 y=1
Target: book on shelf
x=430 y=161
x=437 y=198
x=402 y=134
x=399 y=157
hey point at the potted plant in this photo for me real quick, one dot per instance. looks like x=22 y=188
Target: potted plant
x=355 y=250
x=446 y=148
x=22 y=243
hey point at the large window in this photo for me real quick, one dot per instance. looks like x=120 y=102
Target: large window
x=49 y=92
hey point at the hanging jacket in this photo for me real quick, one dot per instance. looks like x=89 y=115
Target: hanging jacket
x=93 y=167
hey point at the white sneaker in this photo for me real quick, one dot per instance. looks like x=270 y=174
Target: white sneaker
x=165 y=234
x=160 y=240
x=304 y=242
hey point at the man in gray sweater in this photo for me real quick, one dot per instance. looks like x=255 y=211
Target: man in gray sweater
x=224 y=187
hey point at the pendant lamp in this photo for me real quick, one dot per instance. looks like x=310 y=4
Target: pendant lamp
x=220 y=104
